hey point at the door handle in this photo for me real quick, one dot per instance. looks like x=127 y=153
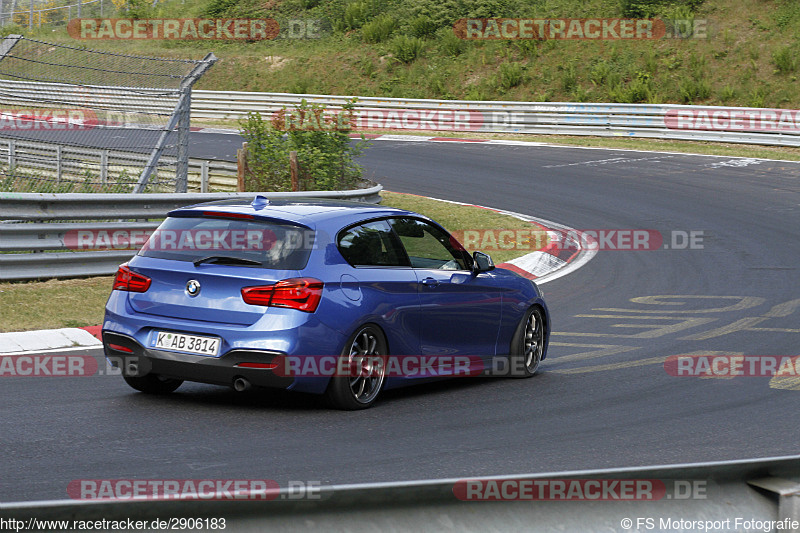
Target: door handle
x=430 y=282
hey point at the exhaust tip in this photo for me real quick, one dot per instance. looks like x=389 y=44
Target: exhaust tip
x=241 y=385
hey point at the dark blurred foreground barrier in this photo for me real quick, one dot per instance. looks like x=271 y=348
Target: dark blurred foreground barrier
x=749 y=495
x=34 y=226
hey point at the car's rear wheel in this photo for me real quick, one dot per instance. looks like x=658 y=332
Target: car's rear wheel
x=365 y=355
x=153 y=384
x=527 y=347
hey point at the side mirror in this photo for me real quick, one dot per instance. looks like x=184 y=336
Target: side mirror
x=481 y=262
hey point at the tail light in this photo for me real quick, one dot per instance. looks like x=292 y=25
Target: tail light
x=302 y=294
x=128 y=280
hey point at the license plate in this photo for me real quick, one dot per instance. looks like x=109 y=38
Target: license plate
x=179 y=342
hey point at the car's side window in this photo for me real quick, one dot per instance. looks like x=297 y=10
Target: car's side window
x=428 y=246
x=371 y=244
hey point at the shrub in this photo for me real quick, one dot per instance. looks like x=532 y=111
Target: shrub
x=476 y=93
x=569 y=78
x=788 y=13
x=599 y=73
x=407 y=49
x=638 y=90
x=639 y=8
x=528 y=47
x=579 y=94
x=510 y=75
x=450 y=45
x=422 y=26
x=378 y=29
x=648 y=8
x=218 y=8
x=355 y=15
x=785 y=60
x=325 y=155
x=692 y=89
x=727 y=94
x=367 y=67
x=757 y=97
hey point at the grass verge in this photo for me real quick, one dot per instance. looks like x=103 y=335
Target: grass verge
x=80 y=302
x=53 y=303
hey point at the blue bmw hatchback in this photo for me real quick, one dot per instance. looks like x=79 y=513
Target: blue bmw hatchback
x=337 y=298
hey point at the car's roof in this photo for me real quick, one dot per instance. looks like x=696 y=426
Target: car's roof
x=308 y=212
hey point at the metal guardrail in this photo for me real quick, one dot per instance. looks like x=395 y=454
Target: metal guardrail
x=373 y=113
x=60 y=265
x=754 y=490
x=61 y=164
x=34 y=223
x=630 y=120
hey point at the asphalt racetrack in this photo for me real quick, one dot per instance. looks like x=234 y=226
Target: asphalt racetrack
x=603 y=397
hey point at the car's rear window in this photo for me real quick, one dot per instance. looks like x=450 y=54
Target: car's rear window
x=256 y=243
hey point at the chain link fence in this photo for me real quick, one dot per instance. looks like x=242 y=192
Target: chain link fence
x=34 y=13
x=74 y=119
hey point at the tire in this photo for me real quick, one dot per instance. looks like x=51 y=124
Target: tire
x=365 y=353
x=153 y=384
x=527 y=346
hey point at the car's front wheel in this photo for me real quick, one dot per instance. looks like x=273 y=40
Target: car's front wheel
x=364 y=355
x=527 y=347
x=153 y=384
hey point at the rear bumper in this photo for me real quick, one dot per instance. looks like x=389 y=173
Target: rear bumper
x=280 y=332
x=223 y=370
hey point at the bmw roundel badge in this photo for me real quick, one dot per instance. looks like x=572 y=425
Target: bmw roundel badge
x=193 y=287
